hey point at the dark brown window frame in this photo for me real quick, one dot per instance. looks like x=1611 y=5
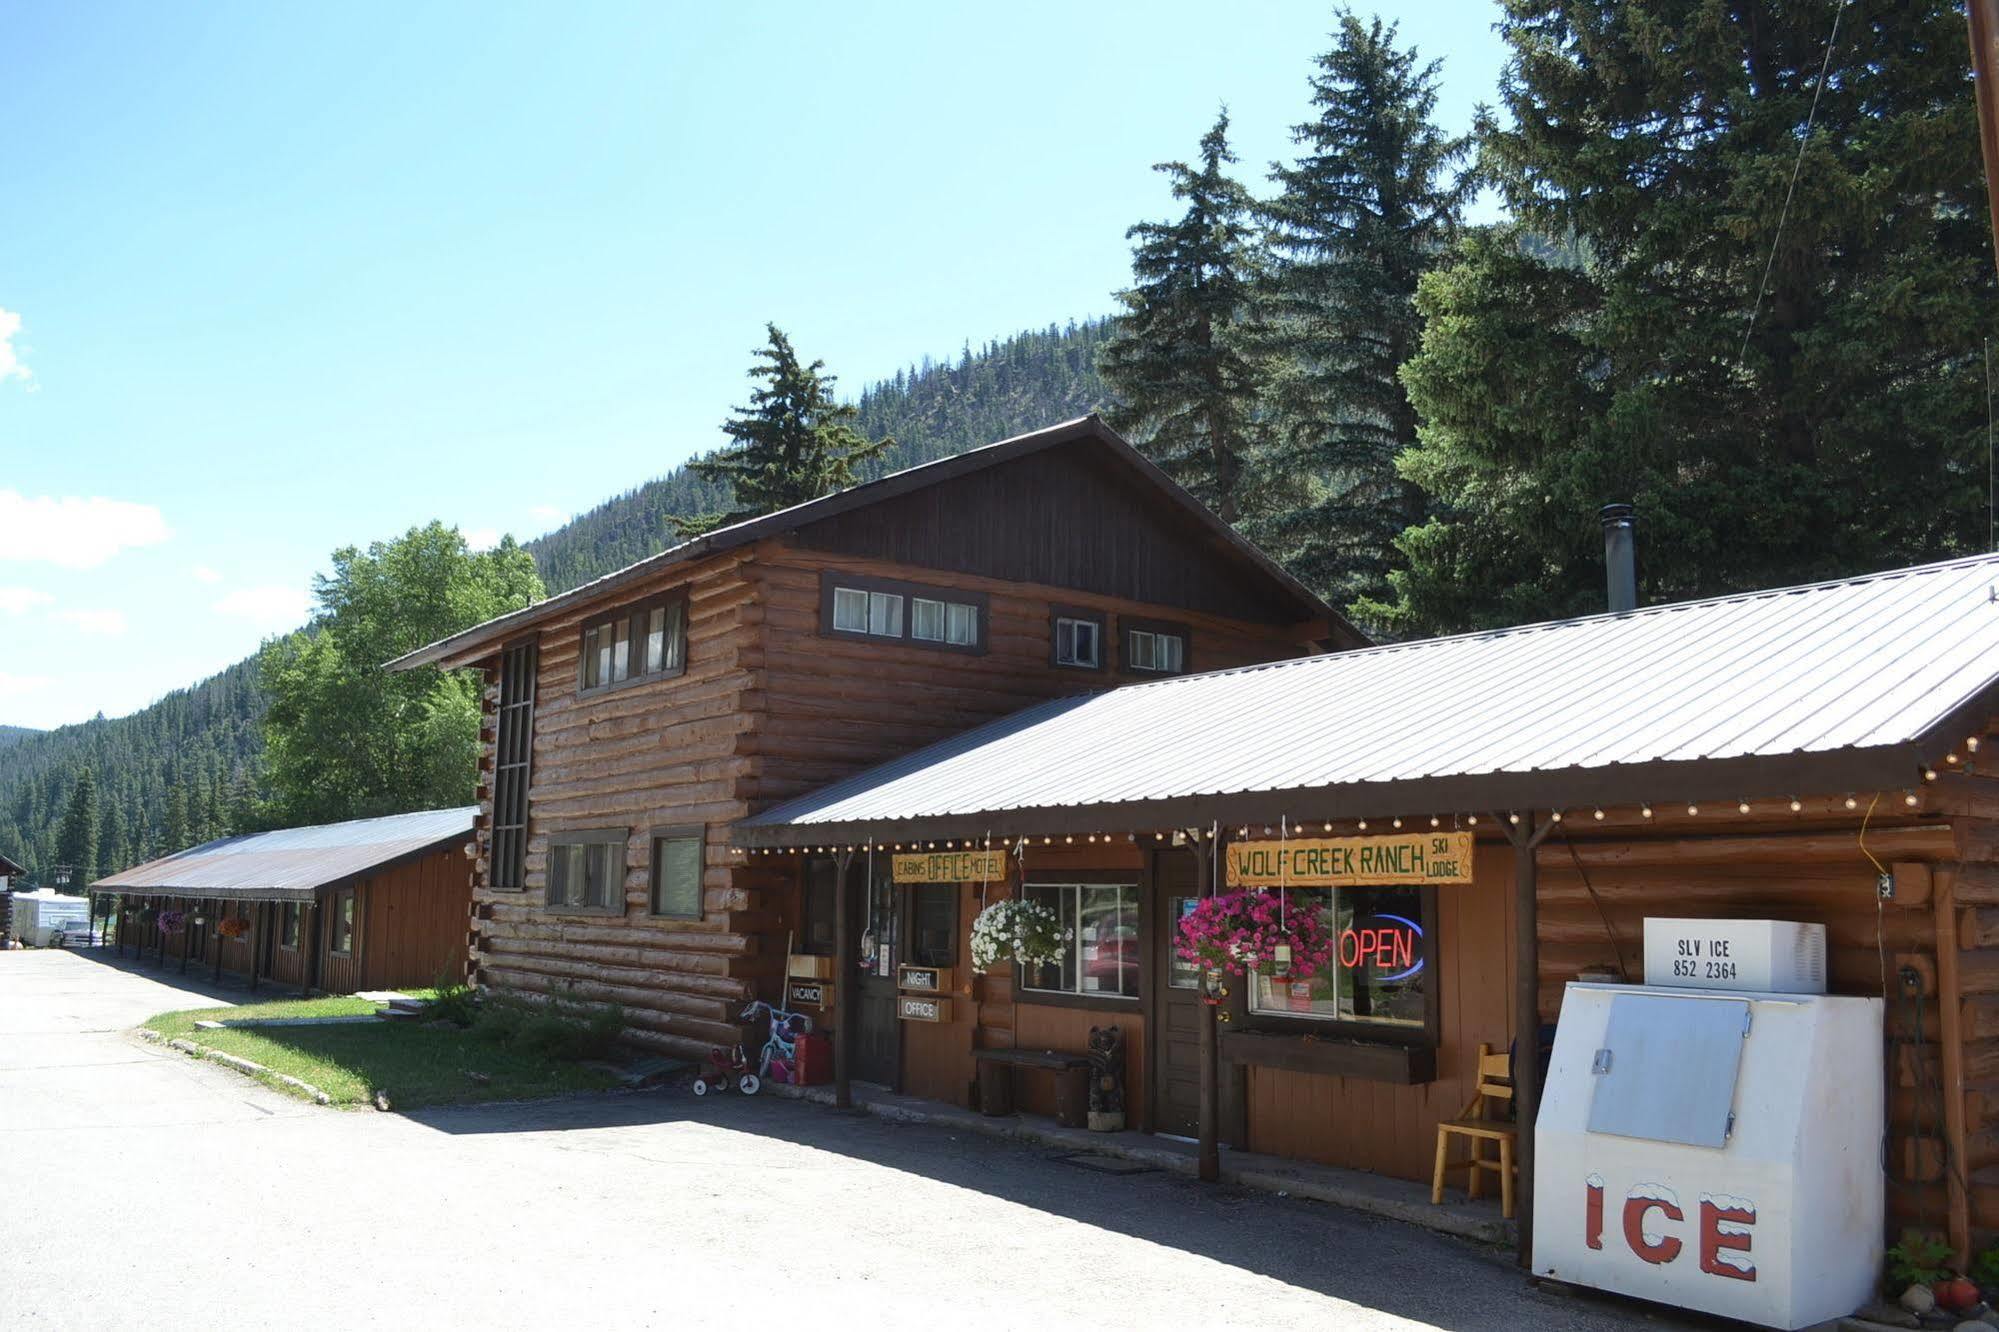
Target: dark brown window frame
x=1127 y=624
x=291 y=918
x=631 y=611
x=831 y=579
x=513 y=759
x=1101 y=619
x=620 y=837
x=1429 y=1035
x=1116 y=1003
x=333 y=923
x=686 y=832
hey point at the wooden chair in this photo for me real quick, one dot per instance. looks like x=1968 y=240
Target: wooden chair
x=1476 y=1122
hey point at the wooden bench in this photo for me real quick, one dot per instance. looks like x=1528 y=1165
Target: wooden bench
x=1072 y=1082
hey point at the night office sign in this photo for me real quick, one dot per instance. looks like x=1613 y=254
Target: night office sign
x=951 y=867
x=1352 y=862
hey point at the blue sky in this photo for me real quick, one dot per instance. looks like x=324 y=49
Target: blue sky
x=275 y=279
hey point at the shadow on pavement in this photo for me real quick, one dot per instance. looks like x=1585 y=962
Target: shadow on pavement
x=1380 y=1264
x=197 y=979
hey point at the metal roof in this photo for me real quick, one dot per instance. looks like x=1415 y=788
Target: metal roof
x=9 y=868
x=485 y=639
x=1847 y=685
x=294 y=862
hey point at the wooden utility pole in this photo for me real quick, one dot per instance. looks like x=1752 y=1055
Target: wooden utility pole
x=1984 y=20
x=846 y=973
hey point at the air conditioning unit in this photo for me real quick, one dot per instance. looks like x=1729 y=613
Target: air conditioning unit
x=1772 y=956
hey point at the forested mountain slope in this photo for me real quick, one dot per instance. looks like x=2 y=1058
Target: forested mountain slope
x=931 y=411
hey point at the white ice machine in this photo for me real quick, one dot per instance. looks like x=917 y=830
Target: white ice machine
x=1713 y=1149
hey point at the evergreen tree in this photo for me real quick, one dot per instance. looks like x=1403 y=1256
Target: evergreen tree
x=1367 y=207
x=76 y=838
x=1826 y=423
x=112 y=855
x=178 y=835
x=793 y=443
x=1189 y=390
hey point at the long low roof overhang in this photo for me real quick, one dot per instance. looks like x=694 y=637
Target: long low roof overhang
x=1700 y=781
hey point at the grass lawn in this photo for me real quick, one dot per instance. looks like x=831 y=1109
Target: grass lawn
x=417 y=1066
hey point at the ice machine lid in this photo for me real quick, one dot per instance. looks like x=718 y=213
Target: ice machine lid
x=1668 y=1067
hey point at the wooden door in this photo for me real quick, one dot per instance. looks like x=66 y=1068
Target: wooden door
x=877 y=1034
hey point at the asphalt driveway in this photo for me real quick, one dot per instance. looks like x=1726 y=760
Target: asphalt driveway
x=145 y=1189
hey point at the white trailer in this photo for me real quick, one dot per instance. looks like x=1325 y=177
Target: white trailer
x=39 y=915
x=1714 y=1149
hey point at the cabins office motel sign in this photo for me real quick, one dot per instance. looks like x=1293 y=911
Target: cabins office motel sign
x=1352 y=862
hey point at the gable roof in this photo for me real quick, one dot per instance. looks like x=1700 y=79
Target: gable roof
x=294 y=863
x=1850 y=685
x=8 y=868
x=484 y=639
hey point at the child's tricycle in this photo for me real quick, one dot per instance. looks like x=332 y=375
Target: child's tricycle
x=727 y=1068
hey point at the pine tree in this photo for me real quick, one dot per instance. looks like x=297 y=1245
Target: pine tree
x=111 y=850
x=177 y=835
x=1369 y=205
x=1189 y=390
x=76 y=837
x=793 y=443
x=1827 y=423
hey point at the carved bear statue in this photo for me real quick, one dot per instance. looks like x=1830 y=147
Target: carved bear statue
x=1106 y=1079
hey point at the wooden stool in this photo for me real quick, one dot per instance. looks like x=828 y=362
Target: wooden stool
x=1495 y=1083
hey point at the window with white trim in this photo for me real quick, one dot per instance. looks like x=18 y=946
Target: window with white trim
x=861 y=606
x=634 y=643
x=1102 y=953
x=1079 y=642
x=1157 y=651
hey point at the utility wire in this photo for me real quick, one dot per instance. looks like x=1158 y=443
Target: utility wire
x=1770 y=263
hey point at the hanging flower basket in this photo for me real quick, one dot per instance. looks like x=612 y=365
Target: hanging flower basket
x=232 y=927
x=1017 y=931
x=172 y=922
x=1250 y=931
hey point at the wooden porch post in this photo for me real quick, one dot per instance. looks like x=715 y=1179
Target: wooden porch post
x=186 y=938
x=1950 y=1040
x=161 y=941
x=315 y=943
x=1210 y=1156
x=846 y=982
x=220 y=942
x=1526 y=837
x=256 y=943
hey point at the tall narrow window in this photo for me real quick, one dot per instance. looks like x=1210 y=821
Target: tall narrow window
x=341 y=940
x=676 y=872
x=512 y=746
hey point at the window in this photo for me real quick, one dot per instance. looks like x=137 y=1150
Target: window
x=816 y=928
x=342 y=940
x=1079 y=640
x=677 y=864
x=634 y=644
x=512 y=745
x=1154 y=648
x=586 y=871
x=1103 y=950
x=288 y=926
x=933 y=924
x=852 y=605
x=1379 y=974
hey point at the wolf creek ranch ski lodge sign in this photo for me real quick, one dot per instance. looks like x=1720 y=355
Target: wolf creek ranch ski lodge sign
x=1352 y=862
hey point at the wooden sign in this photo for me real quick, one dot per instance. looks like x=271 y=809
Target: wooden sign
x=928 y=980
x=922 y=1008
x=807 y=966
x=810 y=994
x=1352 y=862
x=950 y=867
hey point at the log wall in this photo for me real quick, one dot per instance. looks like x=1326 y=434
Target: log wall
x=767 y=709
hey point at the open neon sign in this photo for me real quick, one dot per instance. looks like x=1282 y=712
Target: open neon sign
x=1389 y=947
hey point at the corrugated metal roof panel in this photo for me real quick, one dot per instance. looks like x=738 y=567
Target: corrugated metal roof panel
x=294 y=861
x=1857 y=667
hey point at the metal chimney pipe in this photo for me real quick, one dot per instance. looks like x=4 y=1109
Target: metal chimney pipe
x=1620 y=556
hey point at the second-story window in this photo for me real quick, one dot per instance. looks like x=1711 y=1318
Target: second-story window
x=1154 y=648
x=1079 y=639
x=634 y=643
x=859 y=606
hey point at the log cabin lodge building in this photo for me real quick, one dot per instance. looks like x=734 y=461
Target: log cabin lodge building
x=731 y=752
